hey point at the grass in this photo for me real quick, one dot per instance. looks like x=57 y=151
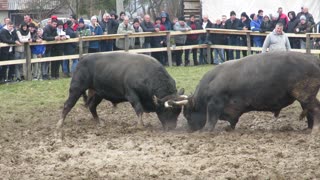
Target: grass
x=29 y=95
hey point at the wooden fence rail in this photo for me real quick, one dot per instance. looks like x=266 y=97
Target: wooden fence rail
x=168 y=34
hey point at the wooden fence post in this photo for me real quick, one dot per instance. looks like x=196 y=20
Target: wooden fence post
x=80 y=47
x=208 y=47
x=308 y=44
x=169 y=48
x=126 y=42
x=27 y=50
x=248 y=42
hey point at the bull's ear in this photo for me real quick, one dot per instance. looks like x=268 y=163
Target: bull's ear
x=181 y=91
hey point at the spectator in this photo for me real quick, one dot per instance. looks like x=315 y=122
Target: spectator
x=283 y=18
x=57 y=50
x=309 y=17
x=274 y=20
x=294 y=21
x=255 y=27
x=233 y=23
x=8 y=35
x=27 y=19
x=124 y=28
x=96 y=30
x=174 y=21
x=266 y=24
x=147 y=26
x=121 y=17
x=181 y=39
x=277 y=40
x=38 y=51
x=223 y=24
x=244 y=25
x=204 y=39
x=49 y=34
x=158 y=41
x=108 y=26
x=260 y=16
x=75 y=24
x=303 y=27
x=83 y=30
x=137 y=42
x=165 y=20
x=218 y=39
x=192 y=39
x=24 y=37
x=70 y=49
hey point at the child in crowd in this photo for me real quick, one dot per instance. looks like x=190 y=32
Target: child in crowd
x=37 y=51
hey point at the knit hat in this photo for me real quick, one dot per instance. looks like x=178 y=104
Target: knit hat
x=244 y=14
x=54 y=17
x=163 y=14
x=181 y=18
x=252 y=15
x=303 y=17
x=73 y=16
x=81 y=21
x=232 y=13
x=93 y=17
x=69 y=23
x=59 y=23
x=136 y=20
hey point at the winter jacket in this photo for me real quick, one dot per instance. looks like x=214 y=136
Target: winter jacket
x=97 y=30
x=9 y=38
x=194 y=26
x=49 y=34
x=147 y=27
x=181 y=39
x=276 y=42
x=293 y=22
x=70 y=47
x=124 y=29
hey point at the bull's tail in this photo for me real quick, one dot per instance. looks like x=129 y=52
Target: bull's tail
x=87 y=98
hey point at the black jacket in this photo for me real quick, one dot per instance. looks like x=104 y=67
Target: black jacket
x=204 y=37
x=293 y=22
x=147 y=27
x=49 y=34
x=70 y=47
x=111 y=27
x=9 y=38
x=218 y=38
x=265 y=26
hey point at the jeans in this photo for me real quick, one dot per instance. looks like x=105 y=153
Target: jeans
x=36 y=69
x=235 y=41
x=194 y=52
x=66 y=66
x=219 y=53
x=19 y=67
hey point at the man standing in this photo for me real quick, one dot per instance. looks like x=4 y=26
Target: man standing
x=109 y=26
x=181 y=39
x=49 y=34
x=233 y=23
x=8 y=35
x=302 y=28
x=192 y=39
x=277 y=40
x=147 y=26
x=204 y=39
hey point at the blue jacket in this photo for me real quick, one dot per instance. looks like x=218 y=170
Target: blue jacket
x=38 y=49
x=97 y=31
x=255 y=26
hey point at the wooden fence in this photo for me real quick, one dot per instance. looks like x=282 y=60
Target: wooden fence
x=169 y=48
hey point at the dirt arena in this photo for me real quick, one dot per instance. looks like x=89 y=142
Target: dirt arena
x=261 y=147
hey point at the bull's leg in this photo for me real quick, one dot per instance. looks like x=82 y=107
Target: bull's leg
x=94 y=102
x=234 y=122
x=137 y=106
x=308 y=114
x=214 y=110
x=74 y=95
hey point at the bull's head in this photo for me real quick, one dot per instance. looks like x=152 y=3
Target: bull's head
x=168 y=113
x=196 y=119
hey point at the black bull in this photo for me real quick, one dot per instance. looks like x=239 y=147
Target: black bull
x=264 y=82
x=118 y=77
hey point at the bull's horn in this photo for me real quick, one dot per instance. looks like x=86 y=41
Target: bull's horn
x=167 y=105
x=184 y=96
x=155 y=100
x=183 y=102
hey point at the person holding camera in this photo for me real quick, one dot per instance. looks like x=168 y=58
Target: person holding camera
x=95 y=28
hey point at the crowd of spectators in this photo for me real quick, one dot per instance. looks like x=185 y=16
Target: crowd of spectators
x=56 y=30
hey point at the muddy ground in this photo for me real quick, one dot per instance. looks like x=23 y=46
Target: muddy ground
x=261 y=147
